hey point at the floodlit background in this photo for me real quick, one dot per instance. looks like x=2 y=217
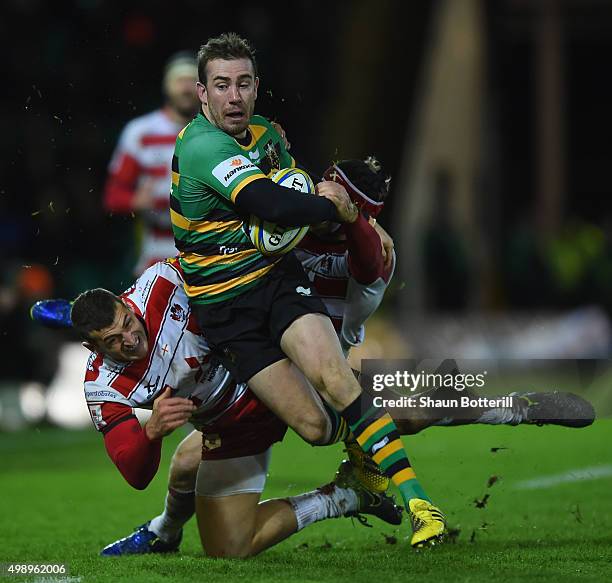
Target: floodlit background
x=491 y=116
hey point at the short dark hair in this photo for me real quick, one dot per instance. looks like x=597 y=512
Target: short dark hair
x=227 y=46
x=93 y=310
x=367 y=176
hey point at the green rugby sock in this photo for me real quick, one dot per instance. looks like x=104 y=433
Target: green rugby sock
x=377 y=434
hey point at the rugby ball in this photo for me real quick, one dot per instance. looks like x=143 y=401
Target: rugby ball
x=272 y=239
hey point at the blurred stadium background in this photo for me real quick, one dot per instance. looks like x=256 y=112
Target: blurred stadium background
x=491 y=116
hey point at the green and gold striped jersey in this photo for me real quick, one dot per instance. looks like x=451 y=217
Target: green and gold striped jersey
x=209 y=168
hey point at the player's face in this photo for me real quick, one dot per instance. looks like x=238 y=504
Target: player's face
x=229 y=96
x=125 y=340
x=181 y=95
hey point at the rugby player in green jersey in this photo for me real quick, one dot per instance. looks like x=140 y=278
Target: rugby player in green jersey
x=260 y=313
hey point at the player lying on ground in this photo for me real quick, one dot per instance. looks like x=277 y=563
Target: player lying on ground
x=255 y=428
x=147 y=353
x=112 y=387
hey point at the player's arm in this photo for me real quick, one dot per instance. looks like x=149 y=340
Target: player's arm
x=367 y=284
x=218 y=162
x=136 y=450
x=133 y=453
x=362 y=300
x=277 y=204
x=283 y=206
x=364 y=251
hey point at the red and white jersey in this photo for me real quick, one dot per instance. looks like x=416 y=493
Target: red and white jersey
x=178 y=357
x=327 y=267
x=348 y=302
x=144 y=152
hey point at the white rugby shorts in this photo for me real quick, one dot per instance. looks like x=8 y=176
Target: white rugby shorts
x=239 y=475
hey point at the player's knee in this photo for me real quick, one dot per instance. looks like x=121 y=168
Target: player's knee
x=184 y=469
x=340 y=385
x=313 y=428
x=231 y=549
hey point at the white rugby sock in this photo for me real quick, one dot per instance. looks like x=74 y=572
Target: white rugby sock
x=178 y=509
x=327 y=502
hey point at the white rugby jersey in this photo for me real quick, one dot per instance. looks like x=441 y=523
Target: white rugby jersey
x=178 y=357
x=144 y=152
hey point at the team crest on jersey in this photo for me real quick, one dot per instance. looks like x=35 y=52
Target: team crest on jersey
x=272 y=155
x=178 y=313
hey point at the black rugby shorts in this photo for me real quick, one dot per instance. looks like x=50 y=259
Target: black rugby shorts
x=244 y=332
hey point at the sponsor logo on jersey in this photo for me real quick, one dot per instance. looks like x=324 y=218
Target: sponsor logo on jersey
x=143 y=292
x=380 y=444
x=223 y=250
x=96 y=416
x=178 y=313
x=254 y=155
x=226 y=171
x=92 y=395
x=303 y=291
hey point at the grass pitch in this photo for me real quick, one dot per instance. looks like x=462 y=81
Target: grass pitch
x=61 y=500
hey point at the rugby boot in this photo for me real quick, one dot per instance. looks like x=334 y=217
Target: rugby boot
x=141 y=542
x=371 y=503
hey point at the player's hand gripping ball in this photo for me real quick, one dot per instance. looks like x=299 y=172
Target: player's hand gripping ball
x=272 y=239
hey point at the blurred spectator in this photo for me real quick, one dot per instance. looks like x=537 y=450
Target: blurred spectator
x=139 y=175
